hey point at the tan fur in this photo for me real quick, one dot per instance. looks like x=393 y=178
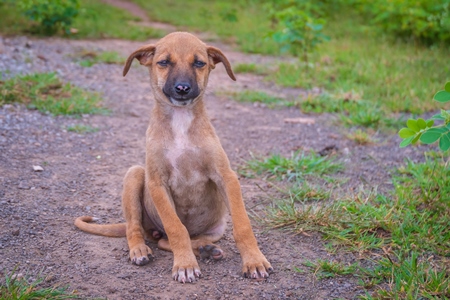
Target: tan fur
x=187 y=183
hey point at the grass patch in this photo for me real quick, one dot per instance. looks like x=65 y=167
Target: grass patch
x=351 y=109
x=258 y=97
x=99 y=20
x=329 y=269
x=304 y=192
x=395 y=77
x=360 y=137
x=93 y=22
x=79 y=128
x=241 y=23
x=409 y=276
x=250 y=68
x=17 y=287
x=410 y=227
x=46 y=93
x=292 y=168
x=87 y=58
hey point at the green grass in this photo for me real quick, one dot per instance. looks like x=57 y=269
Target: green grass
x=95 y=20
x=360 y=137
x=351 y=111
x=410 y=226
x=257 y=96
x=251 y=68
x=302 y=191
x=329 y=269
x=88 y=58
x=409 y=276
x=292 y=168
x=79 y=128
x=19 y=288
x=241 y=23
x=393 y=76
x=46 y=93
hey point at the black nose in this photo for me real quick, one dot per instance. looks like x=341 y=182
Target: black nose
x=182 y=88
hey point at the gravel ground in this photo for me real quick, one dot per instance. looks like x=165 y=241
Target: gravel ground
x=82 y=174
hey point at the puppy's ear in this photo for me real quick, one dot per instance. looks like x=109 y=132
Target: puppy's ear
x=143 y=54
x=216 y=56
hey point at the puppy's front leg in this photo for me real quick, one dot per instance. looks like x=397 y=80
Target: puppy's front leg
x=185 y=266
x=254 y=262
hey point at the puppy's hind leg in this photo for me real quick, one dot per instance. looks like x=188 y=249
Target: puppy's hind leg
x=202 y=245
x=132 y=205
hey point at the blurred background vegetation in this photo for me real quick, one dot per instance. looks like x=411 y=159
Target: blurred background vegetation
x=388 y=55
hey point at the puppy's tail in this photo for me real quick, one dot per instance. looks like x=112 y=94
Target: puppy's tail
x=111 y=230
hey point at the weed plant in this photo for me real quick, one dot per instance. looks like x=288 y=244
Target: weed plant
x=360 y=137
x=16 y=287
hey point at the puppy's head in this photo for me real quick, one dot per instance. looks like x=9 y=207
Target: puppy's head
x=179 y=67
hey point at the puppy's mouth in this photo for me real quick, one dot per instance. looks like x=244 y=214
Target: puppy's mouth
x=182 y=102
x=178 y=100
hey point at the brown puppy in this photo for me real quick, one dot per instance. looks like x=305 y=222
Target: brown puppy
x=182 y=194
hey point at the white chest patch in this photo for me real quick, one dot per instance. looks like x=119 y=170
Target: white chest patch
x=181 y=122
x=187 y=182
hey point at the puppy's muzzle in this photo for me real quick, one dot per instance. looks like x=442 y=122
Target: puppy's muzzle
x=181 y=93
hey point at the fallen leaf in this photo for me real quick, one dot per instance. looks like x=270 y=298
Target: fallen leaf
x=38 y=168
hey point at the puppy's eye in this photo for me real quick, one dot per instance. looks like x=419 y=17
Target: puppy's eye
x=199 y=64
x=163 y=63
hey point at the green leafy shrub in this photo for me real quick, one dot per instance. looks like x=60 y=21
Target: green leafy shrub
x=51 y=15
x=423 y=20
x=300 y=27
x=425 y=131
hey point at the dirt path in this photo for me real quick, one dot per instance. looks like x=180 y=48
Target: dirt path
x=83 y=175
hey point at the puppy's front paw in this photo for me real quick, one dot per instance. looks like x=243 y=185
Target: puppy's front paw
x=186 y=271
x=256 y=267
x=141 y=254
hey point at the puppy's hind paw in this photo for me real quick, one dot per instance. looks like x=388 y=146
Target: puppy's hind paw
x=210 y=251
